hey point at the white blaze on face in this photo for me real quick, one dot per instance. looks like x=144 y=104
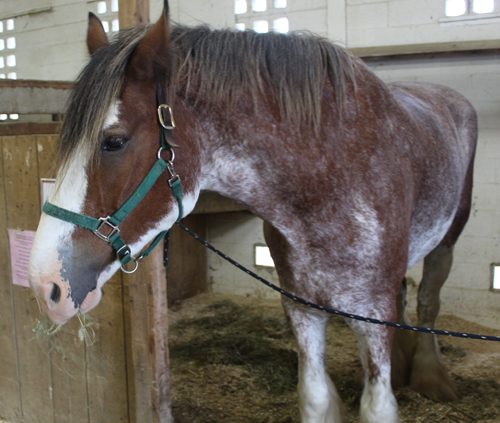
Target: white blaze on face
x=54 y=234
x=112 y=115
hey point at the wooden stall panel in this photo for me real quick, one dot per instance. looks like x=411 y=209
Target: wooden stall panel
x=22 y=211
x=106 y=361
x=187 y=261
x=10 y=400
x=147 y=341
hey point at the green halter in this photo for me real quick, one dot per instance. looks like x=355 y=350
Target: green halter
x=112 y=222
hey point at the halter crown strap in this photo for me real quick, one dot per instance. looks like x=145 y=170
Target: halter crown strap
x=112 y=222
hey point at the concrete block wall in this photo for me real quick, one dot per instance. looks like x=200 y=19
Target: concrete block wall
x=392 y=23
x=50 y=35
x=50 y=42
x=236 y=234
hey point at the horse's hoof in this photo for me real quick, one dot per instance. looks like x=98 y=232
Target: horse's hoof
x=432 y=380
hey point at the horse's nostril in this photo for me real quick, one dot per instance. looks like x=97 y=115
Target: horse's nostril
x=55 y=295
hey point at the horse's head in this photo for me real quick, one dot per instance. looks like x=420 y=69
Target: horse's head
x=110 y=142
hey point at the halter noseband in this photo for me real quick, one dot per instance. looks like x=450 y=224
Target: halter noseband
x=112 y=222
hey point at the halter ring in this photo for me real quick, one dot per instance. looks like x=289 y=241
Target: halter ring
x=134 y=269
x=171 y=151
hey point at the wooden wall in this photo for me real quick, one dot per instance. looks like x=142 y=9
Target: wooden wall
x=61 y=379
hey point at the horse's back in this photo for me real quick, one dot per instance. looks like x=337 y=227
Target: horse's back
x=442 y=144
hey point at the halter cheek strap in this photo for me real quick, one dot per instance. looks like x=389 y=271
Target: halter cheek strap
x=107 y=228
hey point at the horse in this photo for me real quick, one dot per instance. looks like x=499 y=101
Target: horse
x=355 y=180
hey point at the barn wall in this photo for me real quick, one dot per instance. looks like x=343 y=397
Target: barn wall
x=421 y=24
x=50 y=35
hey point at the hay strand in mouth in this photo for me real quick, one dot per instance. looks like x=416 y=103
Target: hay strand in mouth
x=85 y=334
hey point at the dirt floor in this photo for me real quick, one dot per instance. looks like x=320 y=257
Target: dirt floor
x=234 y=360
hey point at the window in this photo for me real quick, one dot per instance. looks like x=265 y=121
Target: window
x=483 y=6
x=108 y=14
x=263 y=256
x=455 y=8
x=281 y=25
x=101 y=7
x=259 y=5
x=262 y=15
x=260 y=26
x=495 y=276
x=240 y=6
x=11 y=60
x=11 y=43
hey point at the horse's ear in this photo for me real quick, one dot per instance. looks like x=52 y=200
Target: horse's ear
x=96 y=36
x=152 y=49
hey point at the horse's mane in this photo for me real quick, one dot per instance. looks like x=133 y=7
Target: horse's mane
x=213 y=66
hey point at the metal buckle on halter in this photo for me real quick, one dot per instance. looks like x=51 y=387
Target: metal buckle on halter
x=160 y=116
x=105 y=221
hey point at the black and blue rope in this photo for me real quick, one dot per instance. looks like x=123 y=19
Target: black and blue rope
x=334 y=311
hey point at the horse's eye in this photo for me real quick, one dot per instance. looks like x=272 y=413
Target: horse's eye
x=113 y=143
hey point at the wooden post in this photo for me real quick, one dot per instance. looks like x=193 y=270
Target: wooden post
x=146 y=318
x=133 y=12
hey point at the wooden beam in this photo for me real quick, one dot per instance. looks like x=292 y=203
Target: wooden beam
x=133 y=12
x=29 y=128
x=33 y=97
x=211 y=202
x=146 y=310
x=465 y=46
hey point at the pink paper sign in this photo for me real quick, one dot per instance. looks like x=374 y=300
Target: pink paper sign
x=20 y=243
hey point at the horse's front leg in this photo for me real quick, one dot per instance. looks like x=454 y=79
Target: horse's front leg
x=378 y=404
x=318 y=398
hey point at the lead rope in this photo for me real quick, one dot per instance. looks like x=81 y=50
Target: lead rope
x=331 y=310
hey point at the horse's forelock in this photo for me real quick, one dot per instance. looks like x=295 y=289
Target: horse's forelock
x=96 y=89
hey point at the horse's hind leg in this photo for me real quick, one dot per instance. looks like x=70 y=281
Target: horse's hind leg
x=403 y=345
x=429 y=375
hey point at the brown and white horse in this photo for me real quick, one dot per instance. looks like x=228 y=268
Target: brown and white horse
x=356 y=181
